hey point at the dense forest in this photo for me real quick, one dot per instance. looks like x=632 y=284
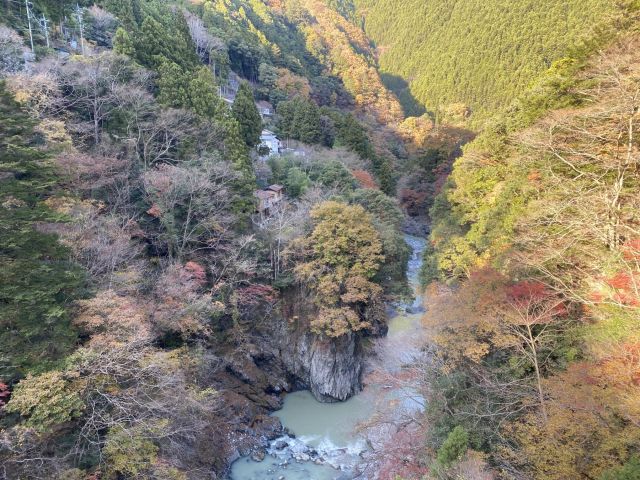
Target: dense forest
x=481 y=54
x=135 y=267
x=168 y=277
x=532 y=278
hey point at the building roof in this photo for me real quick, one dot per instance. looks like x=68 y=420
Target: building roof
x=275 y=187
x=266 y=133
x=264 y=194
x=264 y=104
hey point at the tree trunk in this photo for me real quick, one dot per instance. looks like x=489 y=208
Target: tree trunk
x=536 y=366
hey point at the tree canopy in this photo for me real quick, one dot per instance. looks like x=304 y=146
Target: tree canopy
x=344 y=254
x=481 y=53
x=246 y=114
x=37 y=280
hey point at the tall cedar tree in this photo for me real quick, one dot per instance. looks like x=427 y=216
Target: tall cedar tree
x=127 y=11
x=307 y=120
x=164 y=35
x=246 y=113
x=123 y=44
x=300 y=119
x=36 y=278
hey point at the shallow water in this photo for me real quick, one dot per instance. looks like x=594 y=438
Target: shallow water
x=328 y=442
x=323 y=424
x=324 y=431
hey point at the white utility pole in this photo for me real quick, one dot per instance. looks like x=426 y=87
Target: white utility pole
x=45 y=26
x=79 y=17
x=28 y=5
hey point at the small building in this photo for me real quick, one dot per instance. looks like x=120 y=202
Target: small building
x=265 y=109
x=277 y=189
x=269 y=140
x=268 y=198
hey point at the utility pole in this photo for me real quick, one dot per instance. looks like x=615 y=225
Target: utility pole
x=79 y=17
x=28 y=5
x=45 y=26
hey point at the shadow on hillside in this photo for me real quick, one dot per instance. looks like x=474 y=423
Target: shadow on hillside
x=398 y=85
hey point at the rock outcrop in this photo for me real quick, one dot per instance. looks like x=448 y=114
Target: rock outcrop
x=279 y=355
x=250 y=381
x=329 y=367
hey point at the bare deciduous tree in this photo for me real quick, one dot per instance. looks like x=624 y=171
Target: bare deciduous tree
x=38 y=90
x=284 y=223
x=192 y=203
x=96 y=88
x=158 y=136
x=589 y=159
x=11 y=51
x=181 y=304
x=206 y=43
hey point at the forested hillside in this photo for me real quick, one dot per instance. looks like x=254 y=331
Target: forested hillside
x=479 y=53
x=144 y=288
x=207 y=205
x=533 y=279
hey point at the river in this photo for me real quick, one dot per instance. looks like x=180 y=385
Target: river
x=329 y=440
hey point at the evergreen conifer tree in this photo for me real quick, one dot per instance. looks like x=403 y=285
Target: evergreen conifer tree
x=165 y=36
x=383 y=170
x=127 y=11
x=236 y=153
x=307 y=120
x=353 y=136
x=286 y=113
x=246 y=113
x=123 y=44
x=327 y=131
x=454 y=447
x=36 y=278
x=173 y=85
x=203 y=95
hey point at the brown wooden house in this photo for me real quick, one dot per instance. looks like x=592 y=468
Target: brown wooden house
x=268 y=198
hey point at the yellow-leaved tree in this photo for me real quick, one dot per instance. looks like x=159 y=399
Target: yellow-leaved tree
x=344 y=253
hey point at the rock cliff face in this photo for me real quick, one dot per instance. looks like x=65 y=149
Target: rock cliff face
x=251 y=380
x=329 y=367
x=276 y=356
x=281 y=358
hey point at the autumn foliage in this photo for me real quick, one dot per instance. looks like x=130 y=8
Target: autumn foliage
x=364 y=179
x=535 y=240
x=344 y=252
x=5 y=393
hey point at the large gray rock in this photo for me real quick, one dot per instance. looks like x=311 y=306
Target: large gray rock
x=330 y=367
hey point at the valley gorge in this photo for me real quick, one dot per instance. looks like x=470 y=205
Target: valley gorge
x=319 y=239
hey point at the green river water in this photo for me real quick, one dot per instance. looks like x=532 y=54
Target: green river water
x=329 y=433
